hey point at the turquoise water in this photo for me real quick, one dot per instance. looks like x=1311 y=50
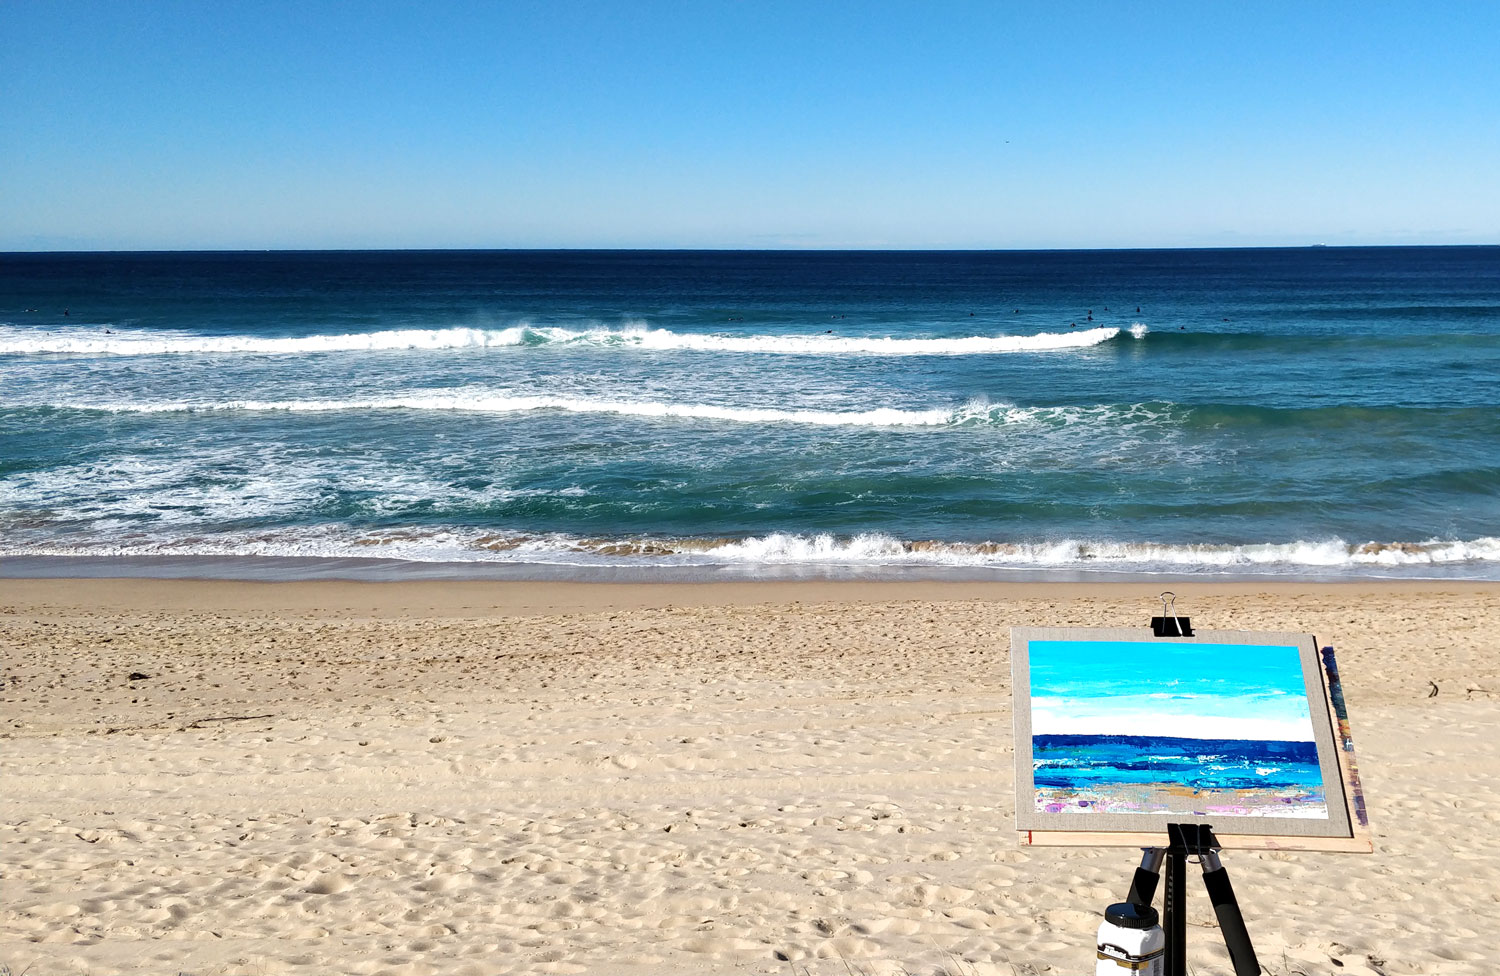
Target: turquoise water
x=1316 y=411
x=1089 y=762
x=1147 y=774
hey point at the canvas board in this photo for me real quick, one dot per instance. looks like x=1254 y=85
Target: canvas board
x=1119 y=732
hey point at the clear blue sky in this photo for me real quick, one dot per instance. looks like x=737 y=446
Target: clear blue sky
x=214 y=123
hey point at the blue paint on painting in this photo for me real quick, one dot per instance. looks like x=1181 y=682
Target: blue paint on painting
x=1085 y=763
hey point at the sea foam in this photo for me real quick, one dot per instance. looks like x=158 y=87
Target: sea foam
x=870 y=550
x=973 y=413
x=97 y=342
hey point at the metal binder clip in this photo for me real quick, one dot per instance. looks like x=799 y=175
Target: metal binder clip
x=1169 y=624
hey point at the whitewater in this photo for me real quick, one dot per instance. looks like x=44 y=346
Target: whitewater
x=975 y=412
x=100 y=341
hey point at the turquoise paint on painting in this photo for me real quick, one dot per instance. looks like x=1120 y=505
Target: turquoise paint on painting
x=1127 y=688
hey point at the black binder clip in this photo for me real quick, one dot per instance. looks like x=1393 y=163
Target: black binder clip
x=1169 y=624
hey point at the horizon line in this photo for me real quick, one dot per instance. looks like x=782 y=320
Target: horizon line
x=738 y=250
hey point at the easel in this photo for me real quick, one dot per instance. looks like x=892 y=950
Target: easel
x=1185 y=841
x=1347 y=832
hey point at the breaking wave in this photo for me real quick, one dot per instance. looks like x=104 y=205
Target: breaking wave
x=979 y=412
x=1073 y=553
x=975 y=413
x=98 y=342
x=869 y=550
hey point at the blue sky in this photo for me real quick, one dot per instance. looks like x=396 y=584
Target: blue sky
x=1222 y=691
x=148 y=124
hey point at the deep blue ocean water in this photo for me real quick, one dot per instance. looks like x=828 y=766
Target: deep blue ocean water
x=1312 y=411
x=1278 y=777
x=1082 y=762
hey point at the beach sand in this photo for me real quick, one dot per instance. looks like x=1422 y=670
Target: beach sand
x=668 y=779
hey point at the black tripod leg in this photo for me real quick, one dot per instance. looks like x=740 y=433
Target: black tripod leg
x=1174 y=915
x=1231 y=922
x=1143 y=885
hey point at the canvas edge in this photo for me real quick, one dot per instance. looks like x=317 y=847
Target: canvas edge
x=1326 y=733
x=1020 y=678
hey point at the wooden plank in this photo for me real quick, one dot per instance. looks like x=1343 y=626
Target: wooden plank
x=1231 y=842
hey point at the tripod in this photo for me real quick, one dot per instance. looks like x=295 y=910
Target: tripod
x=1184 y=841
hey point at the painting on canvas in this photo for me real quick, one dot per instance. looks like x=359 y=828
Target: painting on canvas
x=1130 y=733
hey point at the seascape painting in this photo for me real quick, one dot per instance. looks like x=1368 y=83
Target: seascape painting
x=1187 y=729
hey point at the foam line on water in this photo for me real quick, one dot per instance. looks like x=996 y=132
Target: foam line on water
x=156 y=343
x=1329 y=553
x=974 y=413
x=874 y=549
x=874 y=345
x=98 y=342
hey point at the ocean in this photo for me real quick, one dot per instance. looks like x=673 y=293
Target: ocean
x=1308 y=412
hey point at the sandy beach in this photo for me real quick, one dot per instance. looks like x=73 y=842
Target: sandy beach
x=413 y=778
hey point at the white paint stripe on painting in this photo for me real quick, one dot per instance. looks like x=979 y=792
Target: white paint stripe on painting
x=1066 y=718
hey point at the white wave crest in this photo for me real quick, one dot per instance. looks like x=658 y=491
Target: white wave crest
x=148 y=343
x=1476 y=558
x=974 y=413
x=819 y=345
x=1074 y=553
x=167 y=343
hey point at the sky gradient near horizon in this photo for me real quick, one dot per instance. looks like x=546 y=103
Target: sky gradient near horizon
x=185 y=124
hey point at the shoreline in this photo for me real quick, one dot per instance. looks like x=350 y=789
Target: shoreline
x=482 y=598
x=255 y=568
